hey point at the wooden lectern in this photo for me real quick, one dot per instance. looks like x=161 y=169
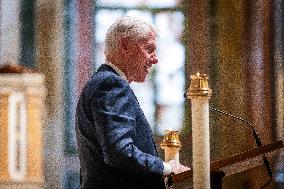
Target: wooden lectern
x=231 y=165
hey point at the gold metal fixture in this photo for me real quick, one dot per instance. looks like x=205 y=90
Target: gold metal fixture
x=171 y=139
x=198 y=86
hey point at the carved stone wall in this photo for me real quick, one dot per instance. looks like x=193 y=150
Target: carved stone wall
x=21 y=129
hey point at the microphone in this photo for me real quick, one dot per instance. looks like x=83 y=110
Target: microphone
x=256 y=138
x=255 y=135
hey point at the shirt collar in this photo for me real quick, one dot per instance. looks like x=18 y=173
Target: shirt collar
x=120 y=73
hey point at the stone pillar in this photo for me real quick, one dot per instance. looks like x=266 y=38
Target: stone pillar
x=50 y=60
x=9 y=31
x=198 y=36
x=259 y=68
x=85 y=39
x=171 y=145
x=21 y=123
x=199 y=93
x=279 y=85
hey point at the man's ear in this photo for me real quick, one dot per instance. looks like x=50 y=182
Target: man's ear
x=124 y=44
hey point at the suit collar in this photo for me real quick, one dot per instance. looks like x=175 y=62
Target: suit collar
x=108 y=67
x=119 y=71
x=105 y=67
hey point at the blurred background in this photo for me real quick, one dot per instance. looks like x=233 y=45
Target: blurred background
x=239 y=44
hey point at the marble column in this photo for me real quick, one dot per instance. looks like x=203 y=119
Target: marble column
x=50 y=61
x=84 y=44
x=9 y=31
x=199 y=94
x=197 y=36
x=279 y=84
x=259 y=68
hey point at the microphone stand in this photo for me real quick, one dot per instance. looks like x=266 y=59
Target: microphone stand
x=257 y=141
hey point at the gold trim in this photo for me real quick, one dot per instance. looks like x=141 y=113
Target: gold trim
x=199 y=86
x=171 y=139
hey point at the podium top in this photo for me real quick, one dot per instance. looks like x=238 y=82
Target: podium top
x=229 y=164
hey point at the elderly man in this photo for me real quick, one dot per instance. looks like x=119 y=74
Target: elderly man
x=115 y=141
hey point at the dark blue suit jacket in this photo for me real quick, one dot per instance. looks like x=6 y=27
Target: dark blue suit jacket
x=115 y=142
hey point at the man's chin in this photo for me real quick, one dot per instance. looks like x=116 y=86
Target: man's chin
x=140 y=80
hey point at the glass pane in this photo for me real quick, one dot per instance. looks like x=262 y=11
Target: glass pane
x=170 y=26
x=140 y=14
x=161 y=4
x=170 y=87
x=170 y=118
x=145 y=95
x=170 y=71
x=122 y=3
x=104 y=19
x=139 y=3
x=99 y=54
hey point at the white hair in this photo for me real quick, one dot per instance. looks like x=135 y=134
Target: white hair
x=126 y=26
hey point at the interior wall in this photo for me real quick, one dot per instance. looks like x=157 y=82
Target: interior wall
x=232 y=41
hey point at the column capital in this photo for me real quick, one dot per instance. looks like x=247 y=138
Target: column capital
x=199 y=86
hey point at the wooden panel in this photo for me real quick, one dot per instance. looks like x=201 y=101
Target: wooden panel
x=231 y=165
x=34 y=143
x=4 y=136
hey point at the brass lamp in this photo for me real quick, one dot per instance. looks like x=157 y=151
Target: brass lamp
x=171 y=145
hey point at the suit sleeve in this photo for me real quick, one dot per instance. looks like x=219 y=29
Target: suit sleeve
x=114 y=110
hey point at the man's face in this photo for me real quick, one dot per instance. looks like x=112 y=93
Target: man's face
x=141 y=58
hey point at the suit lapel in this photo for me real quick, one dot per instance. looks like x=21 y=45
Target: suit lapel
x=149 y=128
x=105 y=67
